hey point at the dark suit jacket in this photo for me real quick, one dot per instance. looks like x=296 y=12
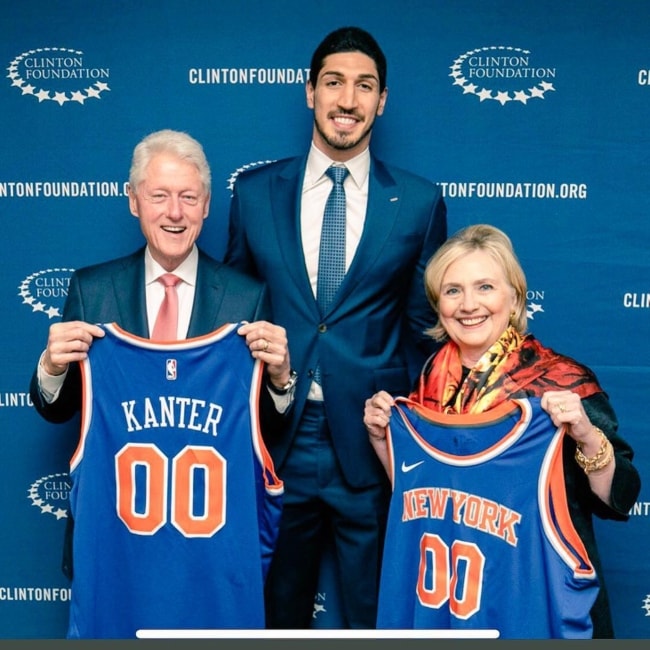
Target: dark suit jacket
x=372 y=337
x=114 y=291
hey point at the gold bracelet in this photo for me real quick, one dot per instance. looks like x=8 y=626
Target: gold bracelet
x=603 y=457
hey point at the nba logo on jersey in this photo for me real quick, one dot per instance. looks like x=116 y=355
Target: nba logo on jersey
x=170 y=369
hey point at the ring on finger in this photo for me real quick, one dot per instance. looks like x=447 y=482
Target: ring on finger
x=266 y=346
x=562 y=408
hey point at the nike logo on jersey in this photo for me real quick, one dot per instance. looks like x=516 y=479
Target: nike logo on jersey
x=408 y=468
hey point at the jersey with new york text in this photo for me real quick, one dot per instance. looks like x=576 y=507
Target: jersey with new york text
x=479 y=535
x=175 y=499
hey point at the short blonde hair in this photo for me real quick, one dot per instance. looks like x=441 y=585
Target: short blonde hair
x=477 y=237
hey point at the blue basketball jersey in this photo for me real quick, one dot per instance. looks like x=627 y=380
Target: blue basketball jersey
x=175 y=498
x=479 y=534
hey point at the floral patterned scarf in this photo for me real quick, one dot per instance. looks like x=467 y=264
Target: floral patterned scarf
x=514 y=366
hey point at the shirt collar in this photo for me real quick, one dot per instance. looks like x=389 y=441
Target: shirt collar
x=318 y=162
x=186 y=271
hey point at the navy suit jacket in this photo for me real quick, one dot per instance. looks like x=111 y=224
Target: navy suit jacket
x=372 y=336
x=114 y=291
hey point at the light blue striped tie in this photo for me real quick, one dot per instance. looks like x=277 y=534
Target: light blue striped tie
x=331 y=259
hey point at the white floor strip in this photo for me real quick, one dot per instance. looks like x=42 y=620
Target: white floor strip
x=317 y=634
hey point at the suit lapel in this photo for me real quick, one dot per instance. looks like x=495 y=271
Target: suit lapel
x=129 y=291
x=381 y=213
x=208 y=297
x=285 y=200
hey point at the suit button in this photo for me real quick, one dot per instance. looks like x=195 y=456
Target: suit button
x=322 y=328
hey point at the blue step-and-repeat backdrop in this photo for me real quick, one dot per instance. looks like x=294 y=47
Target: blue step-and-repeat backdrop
x=533 y=116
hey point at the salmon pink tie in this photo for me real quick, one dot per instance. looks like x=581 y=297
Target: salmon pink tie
x=166 y=326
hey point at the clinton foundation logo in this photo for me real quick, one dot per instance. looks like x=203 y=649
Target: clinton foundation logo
x=502 y=74
x=50 y=494
x=57 y=74
x=46 y=291
x=230 y=183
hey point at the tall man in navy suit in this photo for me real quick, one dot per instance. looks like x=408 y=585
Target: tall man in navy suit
x=169 y=192
x=370 y=335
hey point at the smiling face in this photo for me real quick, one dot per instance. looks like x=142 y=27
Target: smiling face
x=171 y=203
x=475 y=304
x=346 y=100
